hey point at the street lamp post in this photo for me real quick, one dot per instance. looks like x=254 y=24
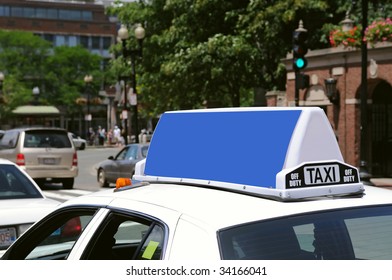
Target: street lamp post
x=124 y=114
x=132 y=54
x=1 y=87
x=2 y=99
x=36 y=95
x=88 y=79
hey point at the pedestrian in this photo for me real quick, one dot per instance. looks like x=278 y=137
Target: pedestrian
x=143 y=136
x=91 y=136
x=110 y=137
x=117 y=135
x=101 y=135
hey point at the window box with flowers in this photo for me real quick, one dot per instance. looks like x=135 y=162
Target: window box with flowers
x=350 y=38
x=378 y=32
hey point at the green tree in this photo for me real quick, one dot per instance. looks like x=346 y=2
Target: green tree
x=67 y=67
x=28 y=61
x=22 y=60
x=219 y=50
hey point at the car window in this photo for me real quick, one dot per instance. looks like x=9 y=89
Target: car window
x=9 y=140
x=53 y=238
x=122 y=154
x=152 y=246
x=47 y=139
x=132 y=153
x=144 y=151
x=360 y=233
x=125 y=237
x=15 y=185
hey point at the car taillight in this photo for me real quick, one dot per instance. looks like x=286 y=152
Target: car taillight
x=72 y=228
x=20 y=159
x=75 y=160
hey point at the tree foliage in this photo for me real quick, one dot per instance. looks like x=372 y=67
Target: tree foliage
x=214 y=52
x=196 y=53
x=28 y=61
x=68 y=67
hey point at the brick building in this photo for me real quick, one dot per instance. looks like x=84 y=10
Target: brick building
x=343 y=111
x=67 y=23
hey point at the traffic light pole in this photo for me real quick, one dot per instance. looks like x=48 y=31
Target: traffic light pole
x=299 y=60
x=296 y=96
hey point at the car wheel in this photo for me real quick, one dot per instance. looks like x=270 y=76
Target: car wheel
x=82 y=146
x=103 y=183
x=40 y=182
x=68 y=183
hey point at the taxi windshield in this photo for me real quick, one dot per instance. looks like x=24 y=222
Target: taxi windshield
x=346 y=234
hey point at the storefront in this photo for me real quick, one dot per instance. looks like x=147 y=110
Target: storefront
x=343 y=65
x=36 y=115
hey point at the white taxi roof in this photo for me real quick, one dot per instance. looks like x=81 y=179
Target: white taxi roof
x=285 y=153
x=216 y=208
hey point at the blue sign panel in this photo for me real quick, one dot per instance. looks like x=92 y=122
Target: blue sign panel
x=241 y=147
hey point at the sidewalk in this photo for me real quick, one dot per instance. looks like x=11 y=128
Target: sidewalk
x=103 y=146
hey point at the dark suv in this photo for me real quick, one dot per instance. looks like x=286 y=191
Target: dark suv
x=46 y=154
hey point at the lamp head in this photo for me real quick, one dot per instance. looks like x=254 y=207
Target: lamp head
x=140 y=32
x=123 y=32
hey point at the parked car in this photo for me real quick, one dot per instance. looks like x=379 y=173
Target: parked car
x=80 y=143
x=21 y=203
x=46 y=154
x=121 y=165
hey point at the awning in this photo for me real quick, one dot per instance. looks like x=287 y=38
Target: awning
x=37 y=110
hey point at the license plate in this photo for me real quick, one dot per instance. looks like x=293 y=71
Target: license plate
x=49 y=161
x=7 y=237
x=322 y=174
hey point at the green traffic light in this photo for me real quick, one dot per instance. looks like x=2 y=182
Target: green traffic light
x=300 y=63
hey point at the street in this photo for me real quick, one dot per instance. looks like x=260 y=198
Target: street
x=86 y=182
x=87 y=159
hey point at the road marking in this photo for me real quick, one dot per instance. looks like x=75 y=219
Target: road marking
x=64 y=195
x=75 y=191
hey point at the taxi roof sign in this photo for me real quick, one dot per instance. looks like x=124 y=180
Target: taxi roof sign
x=249 y=149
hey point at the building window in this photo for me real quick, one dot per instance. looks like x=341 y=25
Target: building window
x=51 y=13
x=84 y=41
x=95 y=43
x=40 y=13
x=48 y=13
x=86 y=15
x=72 y=41
x=17 y=11
x=4 y=11
x=107 y=41
x=59 y=40
x=75 y=15
x=49 y=38
x=28 y=12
